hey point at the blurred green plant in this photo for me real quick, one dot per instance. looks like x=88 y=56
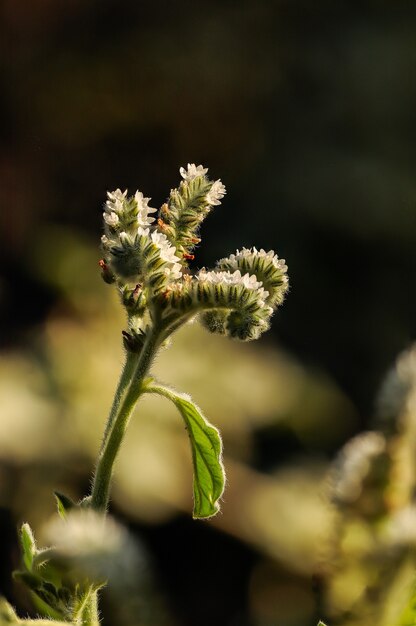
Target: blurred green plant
x=372 y=557
x=149 y=265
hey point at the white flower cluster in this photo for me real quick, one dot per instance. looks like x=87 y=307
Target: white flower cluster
x=148 y=261
x=115 y=201
x=233 y=278
x=168 y=254
x=119 y=208
x=115 y=207
x=192 y=172
x=144 y=210
x=249 y=253
x=268 y=268
x=217 y=191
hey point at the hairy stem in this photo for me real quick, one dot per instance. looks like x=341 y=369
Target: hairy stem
x=125 y=378
x=115 y=430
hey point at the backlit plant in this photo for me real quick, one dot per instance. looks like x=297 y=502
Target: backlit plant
x=146 y=258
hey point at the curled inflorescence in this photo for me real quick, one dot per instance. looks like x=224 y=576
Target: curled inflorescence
x=147 y=257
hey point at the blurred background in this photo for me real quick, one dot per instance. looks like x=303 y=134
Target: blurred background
x=306 y=111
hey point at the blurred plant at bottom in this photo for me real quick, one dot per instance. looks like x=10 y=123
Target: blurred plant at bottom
x=371 y=566
x=87 y=552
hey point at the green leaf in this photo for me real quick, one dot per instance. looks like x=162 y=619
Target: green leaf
x=45 y=595
x=321 y=624
x=206 y=446
x=63 y=503
x=28 y=543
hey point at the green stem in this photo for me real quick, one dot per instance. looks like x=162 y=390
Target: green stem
x=172 y=324
x=132 y=390
x=125 y=378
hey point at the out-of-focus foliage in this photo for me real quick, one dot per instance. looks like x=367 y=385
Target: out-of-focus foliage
x=306 y=110
x=372 y=556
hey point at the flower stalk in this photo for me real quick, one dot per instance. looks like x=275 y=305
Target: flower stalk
x=131 y=388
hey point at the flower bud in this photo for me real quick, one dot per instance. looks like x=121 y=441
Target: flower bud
x=215 y=321
x=106 y=274
x=134 y=299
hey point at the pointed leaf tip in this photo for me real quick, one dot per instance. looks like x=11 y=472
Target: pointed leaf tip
x=63 y=503
x=28 y=544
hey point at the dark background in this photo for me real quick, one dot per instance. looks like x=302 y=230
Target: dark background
x=305 y=110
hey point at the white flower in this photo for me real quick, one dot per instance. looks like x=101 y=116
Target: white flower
x=143 y=232
x=192 y=172
x=143 y=210
x=253 y=252
x=125 y=239
x=167 y=254
x=115 y=200
x=174 y=272
x=234 y=278
x=216 y=193
x=111 y=218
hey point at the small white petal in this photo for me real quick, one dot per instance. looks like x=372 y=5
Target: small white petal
x=111 y=219
x=167 y=254
x=216 y=193
x=125 y=238
x=143 y=232
x=254 y=253
x=234 y=278
x=115 y=200
x=192 y=172
x=143 y=210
